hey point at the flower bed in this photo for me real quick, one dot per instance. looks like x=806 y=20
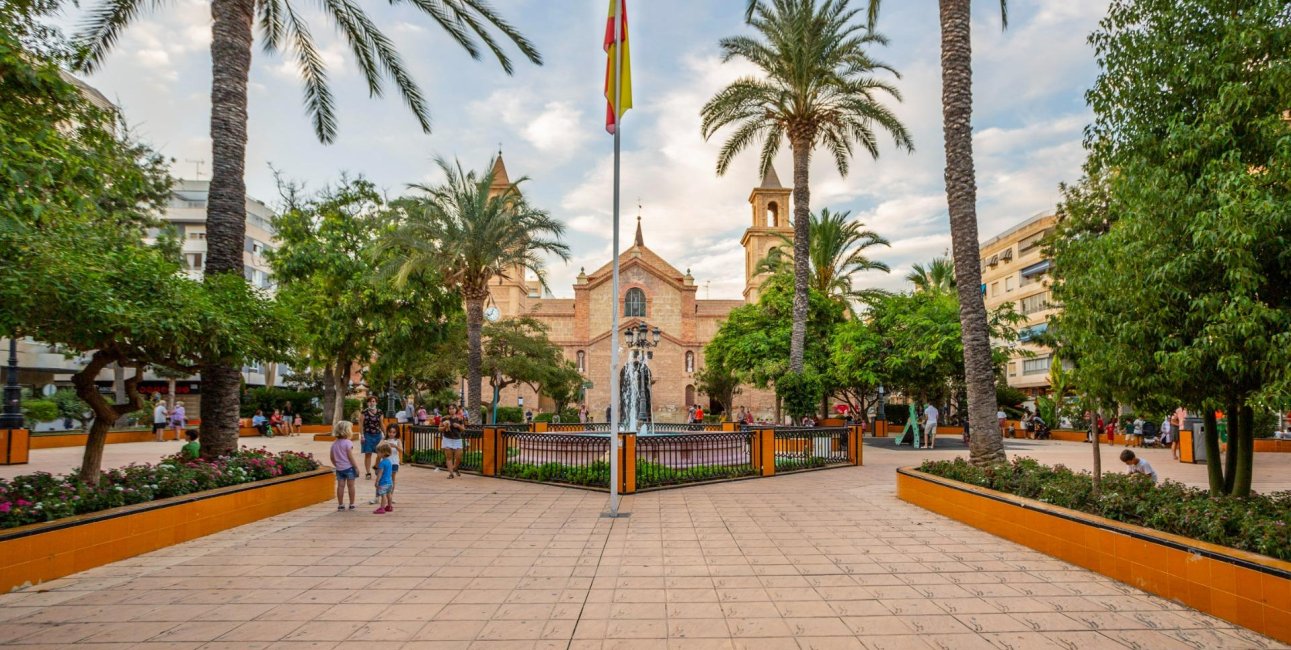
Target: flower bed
x=42 y=497
x=1258 y=524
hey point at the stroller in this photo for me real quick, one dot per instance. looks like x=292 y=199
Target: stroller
x=1041 y=428
x=1151 y=437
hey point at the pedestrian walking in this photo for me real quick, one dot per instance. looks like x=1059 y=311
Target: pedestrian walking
x=452 y=429
x=159 y=418
x=289 y=417
x=372 y=435
x=178 y=419
x=930 y=415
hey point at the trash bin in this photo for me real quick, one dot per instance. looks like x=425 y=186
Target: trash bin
x=1198 y=428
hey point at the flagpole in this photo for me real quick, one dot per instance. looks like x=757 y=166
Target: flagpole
x=614 y=319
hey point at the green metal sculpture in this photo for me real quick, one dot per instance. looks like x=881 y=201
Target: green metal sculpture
x=910 y=434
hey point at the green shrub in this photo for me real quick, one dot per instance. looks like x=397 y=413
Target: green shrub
x=510 y=414
x=801 y=392
x=268 y=399
x=39 y=410
x=595 y=474
x=38 y=497
x=1257 y=524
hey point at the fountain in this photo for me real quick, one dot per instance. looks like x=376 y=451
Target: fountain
x=636 y=415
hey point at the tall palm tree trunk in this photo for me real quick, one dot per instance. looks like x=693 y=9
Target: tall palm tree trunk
x=226 y=205
x=474 y=355
x=801 y=250
x=986 y=446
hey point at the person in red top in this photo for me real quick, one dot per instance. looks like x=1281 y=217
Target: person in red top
x=1111 y=431
x=699 y=415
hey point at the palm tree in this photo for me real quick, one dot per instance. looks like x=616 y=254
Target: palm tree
x=468 y=23
x=816 y=89
x=471 y=231
x=937 y=277
x=837 y=255
x=987 y=445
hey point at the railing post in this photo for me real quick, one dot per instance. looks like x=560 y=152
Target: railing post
x=489 y=452
x=539 y=427
x=766 y=442
x=628 y=463
x=854 y=444
x=405 y=437
x=730 y=425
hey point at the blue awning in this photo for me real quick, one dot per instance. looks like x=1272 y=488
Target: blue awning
x=1038 y=267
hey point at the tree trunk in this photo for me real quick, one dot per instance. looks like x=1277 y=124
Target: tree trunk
x=226 y=203
x=340 y=385
x=105 y=413
x=1230 y=456
x=119 y=391
x=1214 y=464
x=801 y=250
x=986 y=443
x=1098 y=454
x=329 y=394
x=170 y=393
x=1241 y=439
x=474 y=356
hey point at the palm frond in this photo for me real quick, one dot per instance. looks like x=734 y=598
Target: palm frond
x=103 y=27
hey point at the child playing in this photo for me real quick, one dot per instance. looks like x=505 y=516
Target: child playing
x=385 y=479
x=1138 y=465
x=344 y=463
x=191 y=450
x=396 y=452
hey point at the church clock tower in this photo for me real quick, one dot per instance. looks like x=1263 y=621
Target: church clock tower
x=770 y=203
x=510 y=294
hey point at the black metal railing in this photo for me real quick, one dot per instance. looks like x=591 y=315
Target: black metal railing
x=683 y=427
x=427 y=447
x=556 y=458
x=664 y=460
x=808 y=448
x=561 y=427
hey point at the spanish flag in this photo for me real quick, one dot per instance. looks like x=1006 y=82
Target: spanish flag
x=618 y=8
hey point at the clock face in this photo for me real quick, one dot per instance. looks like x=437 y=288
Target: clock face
x=492 y=313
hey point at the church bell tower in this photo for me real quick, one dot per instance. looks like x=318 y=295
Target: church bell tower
x=770 y=204
x=510 y=294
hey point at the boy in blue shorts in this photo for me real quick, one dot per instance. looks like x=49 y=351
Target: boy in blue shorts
x=385 y=480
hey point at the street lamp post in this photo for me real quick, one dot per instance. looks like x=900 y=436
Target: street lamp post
x=12 y=416
x=881 y=415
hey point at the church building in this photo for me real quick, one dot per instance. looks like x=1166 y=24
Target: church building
x=653 y=291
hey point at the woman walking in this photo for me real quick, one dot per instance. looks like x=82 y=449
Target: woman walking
x=373 y=433
x=178 y=419
x=452 y=428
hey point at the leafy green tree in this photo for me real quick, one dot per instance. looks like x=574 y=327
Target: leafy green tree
x=838 y=255
x=816 y=88
x=79 y=196
x=857 y=357
x=938 y=276
x=564 y=385
x=328 y=269
x=423 y=358
x=753 y=343
x=517 y=351
x=469 y=23
x=1182 y=216
x=718 y=382
x=470 y=232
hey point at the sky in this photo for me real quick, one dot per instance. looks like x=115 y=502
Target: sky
x=1029 y=114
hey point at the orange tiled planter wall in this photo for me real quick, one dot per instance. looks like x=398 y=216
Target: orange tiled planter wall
x=1273 y=445
x=43 y=552
x=14 y=446
x=1250 y=590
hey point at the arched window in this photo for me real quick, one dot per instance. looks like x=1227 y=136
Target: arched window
x=582 y=361
x=773 y=215
x=634 y=303
x=690 y=362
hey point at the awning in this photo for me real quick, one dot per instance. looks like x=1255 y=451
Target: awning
x=1037 y=268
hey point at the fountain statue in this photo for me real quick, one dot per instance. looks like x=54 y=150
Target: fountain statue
x=635 y=412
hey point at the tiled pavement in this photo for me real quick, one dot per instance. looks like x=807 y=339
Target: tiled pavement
x=827 y=559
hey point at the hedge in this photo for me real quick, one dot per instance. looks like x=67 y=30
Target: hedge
x=1257 y=523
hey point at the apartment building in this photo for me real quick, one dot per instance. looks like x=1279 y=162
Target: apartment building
x=41 y=365
x=1015 y=270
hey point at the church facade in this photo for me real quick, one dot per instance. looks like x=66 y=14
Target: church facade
x=650 y=290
